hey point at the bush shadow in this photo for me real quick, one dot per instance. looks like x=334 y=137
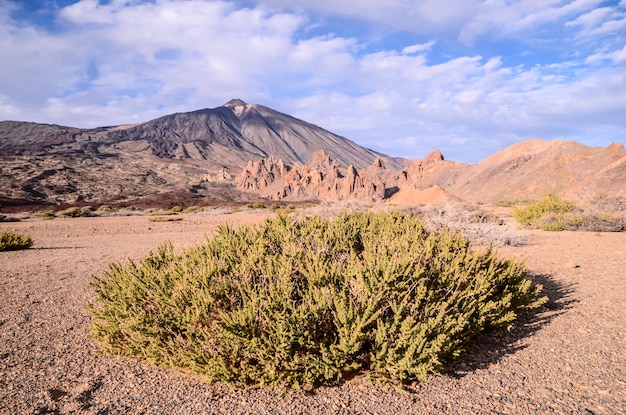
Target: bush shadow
x=52 y=248
x=490 y=346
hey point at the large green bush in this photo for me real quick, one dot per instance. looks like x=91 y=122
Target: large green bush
x=12 y=241
x=309 y=301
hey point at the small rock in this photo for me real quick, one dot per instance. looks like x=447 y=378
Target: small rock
x=543 y=391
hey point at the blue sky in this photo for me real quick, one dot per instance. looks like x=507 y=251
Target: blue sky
x=469 y=77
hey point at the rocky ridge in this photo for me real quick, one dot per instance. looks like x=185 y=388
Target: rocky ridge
x=322 y=179
x=524 y=170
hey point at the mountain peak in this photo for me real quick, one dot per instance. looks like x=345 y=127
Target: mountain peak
x=238 y=106
x=236 y=102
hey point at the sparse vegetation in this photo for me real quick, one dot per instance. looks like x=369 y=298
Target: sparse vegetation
x=505 y=203
x=554 y=214
x=105 y=209
x=256 y=205
x=76 y=211
x=307 y=302
x=46 y=214
x=154 y=212
x=12 y=241
x=192 y=209
x=478 y=225
x=176 y=209
x=544 y=213
x=165 y=219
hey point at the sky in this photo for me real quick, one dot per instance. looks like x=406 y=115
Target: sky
x=402 y=77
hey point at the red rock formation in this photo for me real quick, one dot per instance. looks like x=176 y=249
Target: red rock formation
x=323 y=179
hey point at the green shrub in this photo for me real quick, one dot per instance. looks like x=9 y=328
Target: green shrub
x=76 y=211
x=105 y=209
x=256 y=205
x=505 y=203
x=176 y=209
x=47 y=214
x=310 y=301
x=606 y=217
x=11 y=241
x=192 y=209
x=577 y=221
x=552 y=224
x=547 y=213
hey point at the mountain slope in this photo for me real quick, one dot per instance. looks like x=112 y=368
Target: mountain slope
x=531 y=168
x=44 y=163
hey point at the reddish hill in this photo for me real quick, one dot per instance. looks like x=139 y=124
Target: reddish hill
x=527 y=169
x=532 y=168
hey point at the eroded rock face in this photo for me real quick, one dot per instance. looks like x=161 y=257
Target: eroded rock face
x=323 y=179
x=524 y=170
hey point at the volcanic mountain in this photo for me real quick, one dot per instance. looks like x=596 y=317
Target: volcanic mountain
x=193 y=153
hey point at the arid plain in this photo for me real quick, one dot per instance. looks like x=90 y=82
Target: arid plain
x=569 y=357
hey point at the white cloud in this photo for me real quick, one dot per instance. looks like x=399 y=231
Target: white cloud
x=460 y=104
x=122 y=62
x=600 y=22
x=422 y=47
x=465 y=19
x=592 y=19
x=617 y=57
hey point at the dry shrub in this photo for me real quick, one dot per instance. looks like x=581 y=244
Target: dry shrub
x=328 y=210
x=46 y=214
x=477 y=225
x=12 y=241
x=165 y=219
x=603 y=214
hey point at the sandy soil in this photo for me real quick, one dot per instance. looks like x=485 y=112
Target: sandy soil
x=567 y=358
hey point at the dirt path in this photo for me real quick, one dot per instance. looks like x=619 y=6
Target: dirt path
x=570 y=358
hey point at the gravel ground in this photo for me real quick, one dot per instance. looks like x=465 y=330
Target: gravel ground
x=567 y=358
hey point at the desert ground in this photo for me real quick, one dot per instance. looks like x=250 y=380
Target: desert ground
x=569 y=357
